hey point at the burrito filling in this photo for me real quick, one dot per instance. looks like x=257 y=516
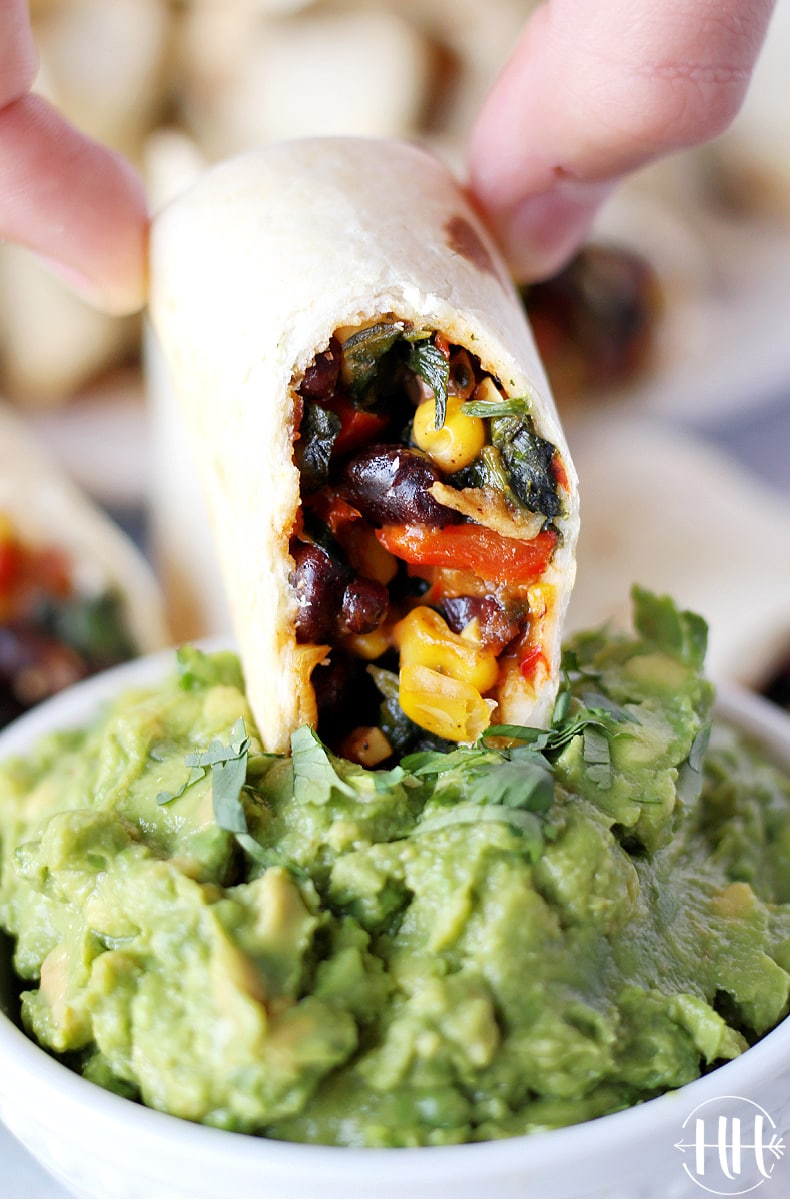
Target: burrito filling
x=426 y=527
x=56 y=626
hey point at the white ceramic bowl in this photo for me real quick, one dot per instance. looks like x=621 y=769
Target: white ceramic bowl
x=101 y=1145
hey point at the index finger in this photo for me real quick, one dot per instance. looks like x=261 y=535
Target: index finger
x=18 y=58
x=596 y=90
x=75 y=203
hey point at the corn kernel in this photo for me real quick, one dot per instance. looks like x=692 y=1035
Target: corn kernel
x=366 y=745
x=457 y=443
x=444 y=706
x=425 y=639
x=487 y=391
x=366 y=555
x=369 y=646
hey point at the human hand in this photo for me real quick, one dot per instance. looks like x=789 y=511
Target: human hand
x=593 y=91
x=78 y=205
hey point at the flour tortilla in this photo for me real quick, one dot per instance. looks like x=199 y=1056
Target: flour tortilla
x=252 y=271
x=46 y=509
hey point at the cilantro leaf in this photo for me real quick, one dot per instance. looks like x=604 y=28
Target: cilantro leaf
x=238 y=745
x=545 y=741
x=524 y=783
x=196 y=669
x=689 y=781
x=433 y=762
x=512 y=406
x=596 y=702
x=315 y=778
x=227 y=781
x=517 y=733
x=679 y=633
x=196 y=774
x=562 y=706
x=228 y=765
x=597 y=756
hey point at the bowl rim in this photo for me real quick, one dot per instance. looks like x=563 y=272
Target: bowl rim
x=42 y=1077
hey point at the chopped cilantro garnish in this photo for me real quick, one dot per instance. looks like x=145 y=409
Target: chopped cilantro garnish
x=689 y=784
x=679 y=633
x=512 y=406
x=315 y=778
x=228 y=766
x=597 y=757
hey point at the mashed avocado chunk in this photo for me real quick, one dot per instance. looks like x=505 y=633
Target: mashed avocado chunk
x=527 y=932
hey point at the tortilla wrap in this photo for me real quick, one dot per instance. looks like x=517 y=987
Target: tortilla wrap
x=253 y=270
x=46 y=509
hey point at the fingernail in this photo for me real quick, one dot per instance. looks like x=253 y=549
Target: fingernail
x=74 y=279
x=542 y=233
x=115 y=301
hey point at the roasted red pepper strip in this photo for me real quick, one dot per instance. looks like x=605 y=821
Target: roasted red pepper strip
x=532 y=660
x=472 y=548
x=332 y=509
x=357 y=426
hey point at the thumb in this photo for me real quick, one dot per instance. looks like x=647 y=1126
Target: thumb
x=592 y=92
x=80 y=207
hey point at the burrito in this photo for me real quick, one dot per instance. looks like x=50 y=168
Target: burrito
x=393 y=502
x=75 y=595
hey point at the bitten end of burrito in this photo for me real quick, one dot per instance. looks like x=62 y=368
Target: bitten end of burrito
x=392 y=496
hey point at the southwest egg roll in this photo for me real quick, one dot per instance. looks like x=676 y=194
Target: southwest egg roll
x=393 y=500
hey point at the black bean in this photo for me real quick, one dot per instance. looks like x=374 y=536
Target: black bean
x=497 y=625
x=318 y=583
x=389 y=485
x=341 y=685
x=462 y=380
x=365 y=605
x=320 y=378
x=34 y=665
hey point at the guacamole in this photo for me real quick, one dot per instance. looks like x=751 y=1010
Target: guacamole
x=519 y=934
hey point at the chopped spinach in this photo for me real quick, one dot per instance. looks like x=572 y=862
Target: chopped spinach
x=427 y=361
x=312 y=452
x=486 y=471
x=527 y=459
x=317 y=531
x=362 y=354
x=400 y=731
x=93 y=626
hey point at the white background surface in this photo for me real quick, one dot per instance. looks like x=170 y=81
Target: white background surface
x=20 y=1176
